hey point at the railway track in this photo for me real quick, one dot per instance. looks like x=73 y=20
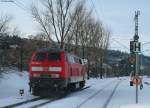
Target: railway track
x=49 y=101
x=111 y=95
x=21 y=103
x=100 y=91
x=147 y=83
x=39 y=101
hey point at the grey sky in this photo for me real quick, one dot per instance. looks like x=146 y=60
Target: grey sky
x=116 y=14
x=119 y=14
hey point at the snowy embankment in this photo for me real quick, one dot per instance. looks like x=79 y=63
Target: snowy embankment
x=96 y=96
x=125 y=96
x=12 y=81
x=136 y=106
x=10 y=84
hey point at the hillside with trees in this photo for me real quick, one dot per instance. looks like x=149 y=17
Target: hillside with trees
x=69 y=25
x=65 y=24
x=14 y=48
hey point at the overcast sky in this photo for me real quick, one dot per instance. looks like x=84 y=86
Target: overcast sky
x=118 y=15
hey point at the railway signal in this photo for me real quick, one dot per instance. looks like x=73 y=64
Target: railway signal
x=132 y=60
x=135 y=49
x=137 y=80
x=21 y=91
x=131 y=46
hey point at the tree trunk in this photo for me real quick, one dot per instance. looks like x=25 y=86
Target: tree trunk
x=101 y=68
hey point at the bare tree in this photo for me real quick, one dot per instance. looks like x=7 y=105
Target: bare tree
x=57 y=18
x=77 y=27
x=42 y=20
x=103 y=50
x=15 y=31
x=4 y=22
x=94 y=40
x=78 y=30
x=73 y=25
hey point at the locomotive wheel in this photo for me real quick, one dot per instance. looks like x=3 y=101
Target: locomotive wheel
x=35 y=91
x=72 y=87
x=63 y=92
x=82 y=84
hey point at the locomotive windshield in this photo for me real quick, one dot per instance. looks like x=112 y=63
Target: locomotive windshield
x=39 y=57
x=54 y=57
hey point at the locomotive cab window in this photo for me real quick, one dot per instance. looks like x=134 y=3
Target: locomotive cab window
x=70 y=58
x=80 y=61
x=54 y=57
x=39 y=57
x=77 y=60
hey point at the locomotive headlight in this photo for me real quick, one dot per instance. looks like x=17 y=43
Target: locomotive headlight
x=35 y=68
x=55 y=76
x=36 y=75
x=55 y=69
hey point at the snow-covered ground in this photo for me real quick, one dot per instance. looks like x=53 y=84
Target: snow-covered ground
x=125 y=96
x=11 y=82
x=102 y=93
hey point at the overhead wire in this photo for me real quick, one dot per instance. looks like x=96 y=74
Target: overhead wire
x=17 y=3
x=95 y=10
x=93 y=6
x=13 y=2
x=120 y=44
x=101 y=9
x=21 y=4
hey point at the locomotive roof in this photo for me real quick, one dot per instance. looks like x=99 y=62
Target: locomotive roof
x=54 y=50
x=50 y=50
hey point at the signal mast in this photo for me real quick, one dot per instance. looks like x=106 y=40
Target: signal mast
x=135 y=49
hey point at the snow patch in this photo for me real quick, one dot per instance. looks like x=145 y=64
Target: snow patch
x=136 y=106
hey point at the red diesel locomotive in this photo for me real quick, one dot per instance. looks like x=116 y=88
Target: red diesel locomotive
x=56 y=70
